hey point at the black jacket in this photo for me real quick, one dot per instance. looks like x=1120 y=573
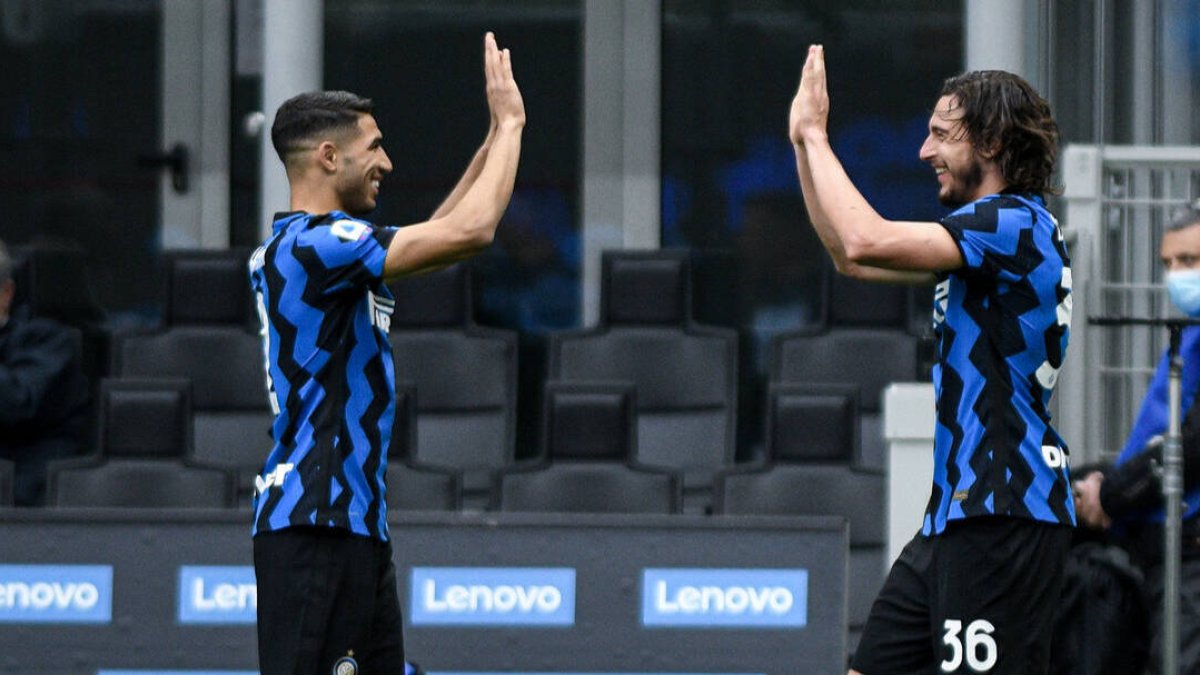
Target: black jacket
x=1132 y=491
x=44 y=395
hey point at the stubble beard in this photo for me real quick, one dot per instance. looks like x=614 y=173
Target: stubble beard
x=963 y=185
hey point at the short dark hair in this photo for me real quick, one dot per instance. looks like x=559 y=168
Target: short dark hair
x=304 y=116
x=1001 y=110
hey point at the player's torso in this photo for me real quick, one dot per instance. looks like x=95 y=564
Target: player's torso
x=330 y=373
x=1002 y=338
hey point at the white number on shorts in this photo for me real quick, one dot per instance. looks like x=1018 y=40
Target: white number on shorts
x=978 y=639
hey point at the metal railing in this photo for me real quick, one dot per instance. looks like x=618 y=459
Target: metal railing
x=1118 y=201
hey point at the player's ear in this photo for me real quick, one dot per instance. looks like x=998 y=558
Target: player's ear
x=327 y=154
x=989 y=151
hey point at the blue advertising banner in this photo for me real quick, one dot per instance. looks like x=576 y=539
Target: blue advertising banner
x=725 y=598
x=499 y=596
x=217 y=594
x=56 y=593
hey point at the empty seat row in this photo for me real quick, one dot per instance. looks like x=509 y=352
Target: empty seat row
x=144 y=457
x=463 y=377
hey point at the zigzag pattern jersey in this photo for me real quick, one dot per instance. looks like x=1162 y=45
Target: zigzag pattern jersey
x=325 y=314
x=1002 y=322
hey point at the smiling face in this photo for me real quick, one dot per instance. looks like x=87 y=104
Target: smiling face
x=960 y=168
x=362 y=164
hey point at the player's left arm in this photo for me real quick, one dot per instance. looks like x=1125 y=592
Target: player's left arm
x=469 y=175
x=862 y=243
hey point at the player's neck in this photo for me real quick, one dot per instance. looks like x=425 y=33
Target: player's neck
x=993 y=183
x=314 y=200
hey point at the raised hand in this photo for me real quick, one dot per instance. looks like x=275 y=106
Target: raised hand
x=504 y=98
x=809 y=116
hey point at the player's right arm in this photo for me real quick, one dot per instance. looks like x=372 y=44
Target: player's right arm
x=861 y=242
x=833 y=244
x=466 y=224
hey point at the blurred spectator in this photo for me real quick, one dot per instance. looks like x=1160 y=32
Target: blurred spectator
x=1127 y=498
x=44 y=394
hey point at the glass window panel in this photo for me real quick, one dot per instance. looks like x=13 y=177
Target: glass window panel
x=82 y=89
x=729 y=186
x=421 y=61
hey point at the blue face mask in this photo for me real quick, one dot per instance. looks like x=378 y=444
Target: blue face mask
x=1184 y=288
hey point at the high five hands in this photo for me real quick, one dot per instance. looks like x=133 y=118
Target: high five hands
x=810 y=108
x=504 y=98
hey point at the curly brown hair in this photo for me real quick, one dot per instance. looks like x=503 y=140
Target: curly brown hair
x=1001 y=110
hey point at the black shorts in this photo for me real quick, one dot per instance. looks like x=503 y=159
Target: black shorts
x=327 y=603
x=978 y=598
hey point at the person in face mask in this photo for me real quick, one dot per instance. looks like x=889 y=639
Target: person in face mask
x=1126 y=499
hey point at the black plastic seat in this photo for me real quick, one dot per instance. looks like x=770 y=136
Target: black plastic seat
x=207 y=339
x=141 y=456
x=411 y=486
x=864 y=341
x=685 y=373
x=588 y=440
x=465 y=377
x=810 y=469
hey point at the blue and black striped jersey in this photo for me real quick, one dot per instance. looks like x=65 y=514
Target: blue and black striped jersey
x=325 y=315
x=1002 y=323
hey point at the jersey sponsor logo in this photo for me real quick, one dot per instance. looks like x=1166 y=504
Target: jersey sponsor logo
x=1055 y=457
x=381 y=311
x=272 y=479
x=217 y=594
x=481 y=596
x=348 y=230
x=743 y=598
x=55 y=593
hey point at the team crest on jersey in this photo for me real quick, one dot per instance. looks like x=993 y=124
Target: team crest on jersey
x=345 y=666
x=349 y=230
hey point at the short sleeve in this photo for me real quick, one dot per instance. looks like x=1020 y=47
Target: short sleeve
x=993 y=237
x=347 y=253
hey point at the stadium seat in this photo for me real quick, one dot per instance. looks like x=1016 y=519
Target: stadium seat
x=588 y=440
x=685 y=373
x=411 y=486
x=207 y=339
x=141 y=456
x=811 y=439
x=864 y=341
x=465 y=377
